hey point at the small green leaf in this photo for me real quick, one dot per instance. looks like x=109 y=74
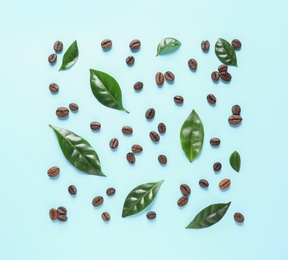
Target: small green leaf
x=167 y=45
x=209 y=215
x=70 y=57
x=106 y=89
x=140 y=198
x=78 y=151
x=225 y=52
x=235 y=161
x=192 y=136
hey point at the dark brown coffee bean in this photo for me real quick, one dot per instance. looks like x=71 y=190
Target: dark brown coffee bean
x=161 y=128
x=159 y=78
x=215 y=75
x=211 y=99
x=204 y=183
x=217 y=166
x=97 y=201
x=205 y=45
x=61 y=210
x=62 y=218
x=224 y=184
x=192 y=63
x=110 y=191
x=215 y=141
x=53 y=171
x=236 y=110
x=53 y=214
x=169 y=76
x=52 y=58
x=127 y=130
x=135 y=45
x=95 y=126
x=235 y=120
x=162 y=159
x=114 y=143
x=72 y=190
x=105 y=216
x=106 y=44
x=73 y=106
x=225 y=76
x=136 y=148
x=58 y=46
x=150 y=113
x=179 y=100
x=151 y=215
x=182 y=201
x=130 y=60
x=131 y=158
x=154 y=136
x=236 y=44
x=185 y=189
x=138 y=85
x=238 y=217
x=53 y=87
x=62 y=112
x=222 y=68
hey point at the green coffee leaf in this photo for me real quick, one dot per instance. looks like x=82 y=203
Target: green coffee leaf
x=167 y=45
x=70 y=57
x=235 y=161
x=225 y=52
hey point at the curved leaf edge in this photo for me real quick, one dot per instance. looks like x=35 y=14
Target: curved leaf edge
x=62 y=68
x=234 y=63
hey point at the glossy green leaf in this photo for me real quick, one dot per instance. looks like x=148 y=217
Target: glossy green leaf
x=235 y=161
x=209 y=215
x=70 y=57
x=140 y=198
x=225 y=52
x=106 y=89
x=167 y=45
x=192 y=136
x=78 y=151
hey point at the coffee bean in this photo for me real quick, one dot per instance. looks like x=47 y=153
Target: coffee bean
x=192 y=64
x=110 y=191
x=136 y=148
x=235 y=120
x=130 y=60
x=127 y=130
x=236 y=44
x=53 y=87
x=114 y=143
x=61 y=210
x=62 y=112
x=53 y=214
x=138 y=85
x=106 y=44
x=204 y=183
x=224 y=184
x=161 y=128
x=205 y=45
x=105 y=216
x=97 y=201
x=162 y=159
x=239 y=217
x=72 y=190
x=53 y=171
x=169 y=76
x=154 y=136
x=179 y=100
x=215 y=75
x=135 y=45
x=222 y=68
x=95 y=126
x=73 y=106
x=236 y=110
x=159 y=78
x=217 y=166
x=150 y=113
x=62 y=218
x=182 y=201
x=211 y=99
x=215 y=141
x=52 y=58
x=151 y=215
x=58 y=46
x=185 y=189
x=225 y=76
x=131 y=158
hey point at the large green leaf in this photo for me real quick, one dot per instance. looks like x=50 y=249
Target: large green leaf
x=192 y=136
x=225 y=52
x=70 y=57
x=106 y=89
x=140 y=198
x=78 y=151
x=167 y=45
x=209 y=215
x=235 y=161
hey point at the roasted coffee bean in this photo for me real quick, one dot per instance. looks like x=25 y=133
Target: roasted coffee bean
x=185 y=189
x=62 y=112
x=136 y=148
x=154 y=136
x=114 y=143
x=62 y=217
x=225 y=76
x=239 y=217
x=222 y=68
x=61 y=210
x=53 y=214
x=224 y=184
x=95 y=126
x=151 y=215
x=215 y=141
x=182 y=201
x=97 y=201
x=53 y=171
x=135 y=45
x=106 y=44
x=150 y=113
x=211 y=99
x=161 y=128
x=169 y=76
x=179 y=100
x=131 y=158
x=53 y=87
x=110 y=191
x=217 y=166
x=58 y=46
x=72 y=190
x=236 y=44
x=130 y=60
x=205 y=45
x=162 y=159
x=73 y=106
x=192 y=64
x=127 y=130
x=236 y=110
x=138 y=85
x=215 y=75
x=159 y=78
x=52 y=58
x=105 y=216
x=204 y=183
x=235 y=120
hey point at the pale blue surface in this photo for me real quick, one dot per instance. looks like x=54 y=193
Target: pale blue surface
x=29 y=147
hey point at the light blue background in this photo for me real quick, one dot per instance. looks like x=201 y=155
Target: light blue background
x=28 y=146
